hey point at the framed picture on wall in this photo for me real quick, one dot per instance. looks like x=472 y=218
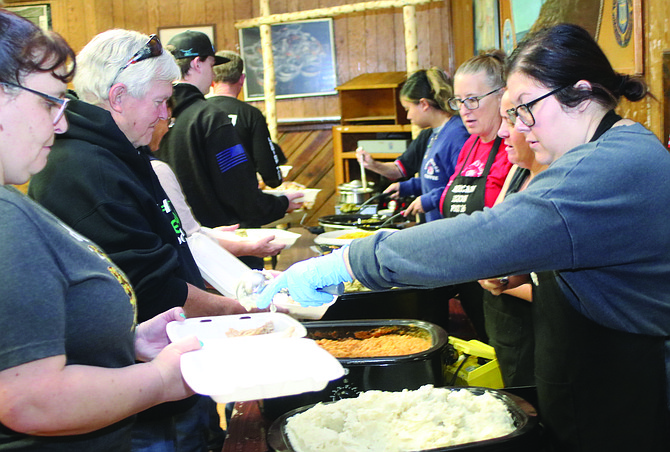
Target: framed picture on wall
x=615 y=24
x=486 y=26
x=166 y=33
x=620 y=35
x=304 y=59
x=39 y=14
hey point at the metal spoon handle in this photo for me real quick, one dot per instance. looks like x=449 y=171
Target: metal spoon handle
x=391 y=218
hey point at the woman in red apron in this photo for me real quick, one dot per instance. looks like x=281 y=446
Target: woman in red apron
x=480 y=170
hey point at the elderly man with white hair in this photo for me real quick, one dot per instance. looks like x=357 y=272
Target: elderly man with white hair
x=99 y=181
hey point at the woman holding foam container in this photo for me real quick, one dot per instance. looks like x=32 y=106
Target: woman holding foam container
x=68 y=374
x=602 y=284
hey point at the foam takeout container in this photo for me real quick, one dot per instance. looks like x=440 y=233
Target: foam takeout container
x=236 y=369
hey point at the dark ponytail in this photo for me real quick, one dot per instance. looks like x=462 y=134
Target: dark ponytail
x=432 y=84
x=564 y=54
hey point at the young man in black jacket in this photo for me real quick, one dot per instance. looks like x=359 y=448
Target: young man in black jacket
x=202 y=147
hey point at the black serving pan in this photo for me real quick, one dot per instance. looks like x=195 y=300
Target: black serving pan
x=525 y=438
x=362 y=221
x=390 y=373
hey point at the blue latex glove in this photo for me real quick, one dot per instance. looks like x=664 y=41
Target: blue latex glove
x=304 y=280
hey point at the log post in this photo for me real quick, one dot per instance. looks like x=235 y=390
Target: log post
x=411 y=48
x=269 y=84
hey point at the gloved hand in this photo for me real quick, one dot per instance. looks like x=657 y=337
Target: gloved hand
x=303 y=278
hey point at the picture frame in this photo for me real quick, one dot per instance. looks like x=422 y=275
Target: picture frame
x=166 y=33
x=304 y=59
x=486 y=16
x=38 y=13
x=616 y=25
x=621 y=36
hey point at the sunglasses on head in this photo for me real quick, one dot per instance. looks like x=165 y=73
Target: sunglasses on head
x=151 y=49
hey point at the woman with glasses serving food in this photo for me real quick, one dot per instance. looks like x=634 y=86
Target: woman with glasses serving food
x=592 y=227
x=70 y=342
x=482 y=166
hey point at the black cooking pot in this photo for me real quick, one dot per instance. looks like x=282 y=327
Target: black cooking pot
x=391 y=373
x=527 y=437
x=361 y=221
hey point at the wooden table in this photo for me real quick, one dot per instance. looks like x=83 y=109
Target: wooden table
x=300 y=250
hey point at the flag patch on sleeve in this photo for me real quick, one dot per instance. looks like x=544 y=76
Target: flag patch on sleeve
x=231 y=157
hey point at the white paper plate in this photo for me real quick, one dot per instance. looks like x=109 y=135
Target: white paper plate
x=332 y=238
x=258 y=367
x=282 y=236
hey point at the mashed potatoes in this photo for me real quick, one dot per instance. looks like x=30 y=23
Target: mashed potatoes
x=400 y=421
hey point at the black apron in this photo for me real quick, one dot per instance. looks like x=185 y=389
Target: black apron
x=466 y=195
x=509 y=324
x=599 y=389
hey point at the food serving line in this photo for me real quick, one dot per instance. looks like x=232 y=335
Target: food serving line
x=261 y=424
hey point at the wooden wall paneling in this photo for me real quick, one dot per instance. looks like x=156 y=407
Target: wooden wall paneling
x=400 y=62
x=104 y=17
x=220 y=12
x=303 y=155
x=76 y=32
x=168 y=14
x=462 y=30
x=373 y=44
x=311 y=155
x=138 y=17
x=357 y=47
x=212 y=13
x=387 y=35
x=290 y=143
x=441 y=19
x=118 y=13
x=190 y=12
x=424 y=36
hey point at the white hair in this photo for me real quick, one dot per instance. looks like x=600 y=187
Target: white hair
x=100 y=60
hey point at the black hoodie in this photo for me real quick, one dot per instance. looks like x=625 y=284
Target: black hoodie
x=98 y=183
x=216 y=175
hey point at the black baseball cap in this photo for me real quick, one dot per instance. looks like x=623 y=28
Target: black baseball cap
x=190 y=43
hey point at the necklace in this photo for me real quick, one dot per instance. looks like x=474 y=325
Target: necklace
x=435 y=134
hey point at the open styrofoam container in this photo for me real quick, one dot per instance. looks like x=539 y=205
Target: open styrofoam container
x=215 y=328
x=238 y=369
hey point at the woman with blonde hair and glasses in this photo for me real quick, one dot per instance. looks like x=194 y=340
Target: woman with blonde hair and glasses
x=70 y=342
x=482 y=165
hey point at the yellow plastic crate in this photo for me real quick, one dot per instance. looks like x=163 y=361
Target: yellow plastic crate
x=469 y=369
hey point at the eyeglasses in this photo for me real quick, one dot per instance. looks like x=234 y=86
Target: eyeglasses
x=523 y=111
x=471 y=103
x=151 y=49
x=57 y=103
